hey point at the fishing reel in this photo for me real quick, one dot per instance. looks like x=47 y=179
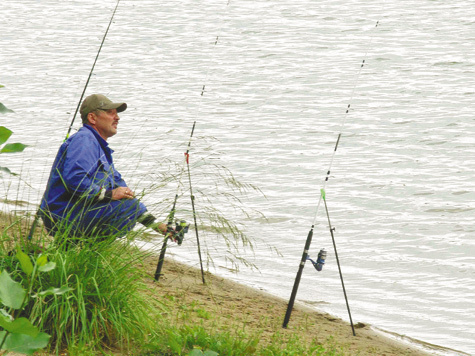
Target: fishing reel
x=178 y=232
x=322 y=255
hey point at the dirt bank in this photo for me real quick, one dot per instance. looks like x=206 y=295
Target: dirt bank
x=226 y=305
x=258 y=312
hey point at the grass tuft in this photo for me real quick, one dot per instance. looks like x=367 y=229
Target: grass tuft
x=108 y=305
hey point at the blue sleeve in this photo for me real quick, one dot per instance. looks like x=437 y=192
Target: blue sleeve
x=82 y=159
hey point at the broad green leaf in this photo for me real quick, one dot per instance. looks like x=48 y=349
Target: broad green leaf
x=13 y=148
x=25 y=262
x=55 y=291
x=4 y=134
x=11 y=292
x=210 y=353
x=42 y=260
x=47 y=267
x=196 y=352
x=4 y=109
x=26 y=344
x=19 y=326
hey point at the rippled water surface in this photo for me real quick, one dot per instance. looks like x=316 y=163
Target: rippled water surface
x=278 y=82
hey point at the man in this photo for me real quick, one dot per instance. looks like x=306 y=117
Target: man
x=86 y=196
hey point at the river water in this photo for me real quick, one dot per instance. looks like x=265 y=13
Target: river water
x=278 y=82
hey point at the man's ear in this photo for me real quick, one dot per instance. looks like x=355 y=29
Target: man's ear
x=91 y=117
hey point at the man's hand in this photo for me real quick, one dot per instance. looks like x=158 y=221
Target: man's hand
x=159 y=227
x=122 y=193
x=164 y=230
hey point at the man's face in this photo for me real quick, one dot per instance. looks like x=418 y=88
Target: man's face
x=105 y=122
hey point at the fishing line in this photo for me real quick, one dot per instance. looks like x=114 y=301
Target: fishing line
x=35 y=221
x=308 y=241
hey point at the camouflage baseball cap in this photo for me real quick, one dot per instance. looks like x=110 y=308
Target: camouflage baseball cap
x=99 y=102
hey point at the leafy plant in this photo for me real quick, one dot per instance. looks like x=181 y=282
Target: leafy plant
x=4 y=136
x=19 y=334
x=9 y=147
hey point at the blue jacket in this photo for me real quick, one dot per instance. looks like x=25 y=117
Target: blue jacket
x=83 y=166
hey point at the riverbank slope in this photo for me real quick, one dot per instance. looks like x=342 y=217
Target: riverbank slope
x=224 y=306
x=233 y=305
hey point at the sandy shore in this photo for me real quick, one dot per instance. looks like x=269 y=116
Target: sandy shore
x=237 y=304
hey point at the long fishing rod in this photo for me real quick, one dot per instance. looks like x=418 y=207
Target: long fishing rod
x=181 y=227
x=308 y=242
x=92 y=69
x=215 y=43
x=35 y=221
x=172 y=212
x=187 y=155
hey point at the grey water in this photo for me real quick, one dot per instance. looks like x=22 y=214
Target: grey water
x=401 y=193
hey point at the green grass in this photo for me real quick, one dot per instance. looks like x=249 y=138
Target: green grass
x=179 y=340
x=107 y=307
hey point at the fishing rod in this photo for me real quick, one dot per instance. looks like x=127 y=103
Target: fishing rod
x=215 y=43
x=308 y=241
x=187 y=155
x=35 y=221
x=181 y=227
x=187 y=160
x=332 y=229
x=92 y=69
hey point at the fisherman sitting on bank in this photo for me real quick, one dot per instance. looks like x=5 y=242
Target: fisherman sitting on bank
x=85 y=195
